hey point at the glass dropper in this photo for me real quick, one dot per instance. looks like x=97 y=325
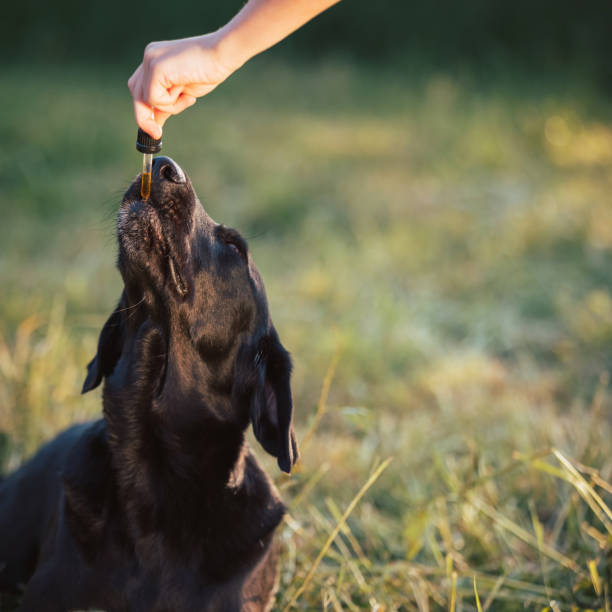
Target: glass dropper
x=147 y=145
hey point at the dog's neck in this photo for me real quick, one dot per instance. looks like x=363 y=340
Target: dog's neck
x=179 y=458
x=157 y=415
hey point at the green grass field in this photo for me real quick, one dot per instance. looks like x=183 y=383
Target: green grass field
x=438 y=258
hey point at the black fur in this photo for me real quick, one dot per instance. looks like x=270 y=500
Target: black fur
x=160 y=505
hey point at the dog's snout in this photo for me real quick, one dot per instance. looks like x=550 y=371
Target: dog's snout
x=166 y=169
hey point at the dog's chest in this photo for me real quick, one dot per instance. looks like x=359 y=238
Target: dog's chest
x=134 y=586
x=164 y=554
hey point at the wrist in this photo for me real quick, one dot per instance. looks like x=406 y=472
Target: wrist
x=229 y=48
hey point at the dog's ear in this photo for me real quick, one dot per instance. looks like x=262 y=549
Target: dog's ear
x=263 y=378
x=109 y=349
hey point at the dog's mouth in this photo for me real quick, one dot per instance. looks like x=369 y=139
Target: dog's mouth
x=146 y=239
x=153 y=232
x=177 y=279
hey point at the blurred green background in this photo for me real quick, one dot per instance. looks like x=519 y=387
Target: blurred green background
x=426 y=189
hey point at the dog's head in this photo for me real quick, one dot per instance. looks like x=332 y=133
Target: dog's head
x=193 y=318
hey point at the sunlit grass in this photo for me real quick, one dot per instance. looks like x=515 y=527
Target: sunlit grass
x=438 y=258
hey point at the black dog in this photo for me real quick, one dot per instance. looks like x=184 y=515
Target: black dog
x=160 y=505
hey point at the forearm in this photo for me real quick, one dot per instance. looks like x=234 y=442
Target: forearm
x=174 y=73
x=261 y=24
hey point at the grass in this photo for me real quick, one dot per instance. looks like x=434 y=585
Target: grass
x=438 y=257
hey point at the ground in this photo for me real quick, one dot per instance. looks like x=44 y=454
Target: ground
x=437 y=250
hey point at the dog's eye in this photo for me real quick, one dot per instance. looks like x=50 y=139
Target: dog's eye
x=235 y=247
x=233 y=240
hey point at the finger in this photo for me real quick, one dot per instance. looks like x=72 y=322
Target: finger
x=134 y=80
x=181 y=104
x=145 y=118
x=158 y=93
x=160 y=117
x=145 y=115
x=191 y=91
x=197 y=90
x=175 y=92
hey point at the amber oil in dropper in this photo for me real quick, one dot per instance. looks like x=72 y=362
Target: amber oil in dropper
x=147 y=145
x=145 y=180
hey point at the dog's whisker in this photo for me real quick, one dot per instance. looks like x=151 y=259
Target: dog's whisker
x=258 y=235
x=132 y=306
x=131 y=314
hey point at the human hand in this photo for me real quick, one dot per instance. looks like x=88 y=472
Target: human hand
x=172 y=75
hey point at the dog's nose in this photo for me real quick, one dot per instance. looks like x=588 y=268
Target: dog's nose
x=166 y=169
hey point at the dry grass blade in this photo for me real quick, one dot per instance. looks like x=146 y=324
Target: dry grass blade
x=420 y=594
x=586 y=491
x=346 y=532
x=344 y=558
x=595 y=579
x=517 y=461
x=524 y=535
x=600 y=482
x=298 y=500
x=334 y=600
x=322 y=404
x=518 y=601
x=539 y=531
x=478 y=606
x=434 y=548
x=600 y=538
x=453 y=594
x=513 y=584
x=373 y=478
